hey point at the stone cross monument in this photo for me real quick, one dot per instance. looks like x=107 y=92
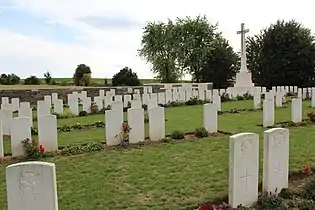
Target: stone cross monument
x=243 y=48
x=243 y=78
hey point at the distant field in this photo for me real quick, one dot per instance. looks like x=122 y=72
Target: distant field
x=96 y=80
x=65 y=83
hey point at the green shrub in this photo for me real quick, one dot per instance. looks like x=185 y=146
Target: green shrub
x=193 y=101
x=269 y=201
x=83 y=113
x=177 y=135
x=309 y=189
x=32 y=80
x=201 y=132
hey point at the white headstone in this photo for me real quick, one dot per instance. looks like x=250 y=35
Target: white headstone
x=86 y=102
x=136 y=122
x=6 y=117
x=1 y=142
x=276 y=160
x=32 y=186
x=47 y=132
x=113 y=126
x=136 y=104
x=15 y=104
x=54 y=97
x=210 y=117
x=26 y=111
x=257 y=100
x=118 y=98
x=47 y=99
x=117 y=105
x=296 y=110
x=21 y=130
x=127 y=100
x=268 y=113
x=58 y=106
x=156 y=123
x=99 y=102
x=279 y=96
x=73 y=104
x=161 y=98
x=43 y=108
x=243 y=169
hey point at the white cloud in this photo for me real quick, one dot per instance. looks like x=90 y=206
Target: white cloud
x=105 y=50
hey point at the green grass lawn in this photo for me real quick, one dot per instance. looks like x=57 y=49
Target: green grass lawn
x=164 y=176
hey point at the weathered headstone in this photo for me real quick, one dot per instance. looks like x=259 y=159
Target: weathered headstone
x=47 y=132
x=21 y=130
x=243 y=169
x=31 y=186
x=156 y=123
x=113 y=127
x=276 y=160
x=136 y=122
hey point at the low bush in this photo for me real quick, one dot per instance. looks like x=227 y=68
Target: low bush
x=201 y=132
x=177 y=135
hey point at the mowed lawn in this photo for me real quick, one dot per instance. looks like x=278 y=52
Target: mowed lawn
x=165 y=176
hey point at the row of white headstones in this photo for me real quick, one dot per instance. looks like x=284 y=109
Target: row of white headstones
x=48 y=135
x=47 y=123
x=32 y=185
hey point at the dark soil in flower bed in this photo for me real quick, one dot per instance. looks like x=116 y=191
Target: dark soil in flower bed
x=289 y=124
x=299 y=196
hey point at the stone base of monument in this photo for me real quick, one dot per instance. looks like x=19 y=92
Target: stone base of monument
x=244 y=84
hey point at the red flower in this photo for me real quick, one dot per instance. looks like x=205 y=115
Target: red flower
x=41 y=148
x=307 y=170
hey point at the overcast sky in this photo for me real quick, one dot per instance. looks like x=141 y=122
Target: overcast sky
x=57 y=35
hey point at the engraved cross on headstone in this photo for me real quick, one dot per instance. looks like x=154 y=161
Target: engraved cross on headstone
x=277 y=167
x=246 y=176
x=243 y=47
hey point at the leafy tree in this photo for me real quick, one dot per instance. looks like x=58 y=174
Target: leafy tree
x=221 y=64
x=125 y=77
x=32 y=80
x=86 y=79
x=48 y=78
x=79 y=78
x=159 y=46
x=9 y=79
x=282 y=54
x=197 y=36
